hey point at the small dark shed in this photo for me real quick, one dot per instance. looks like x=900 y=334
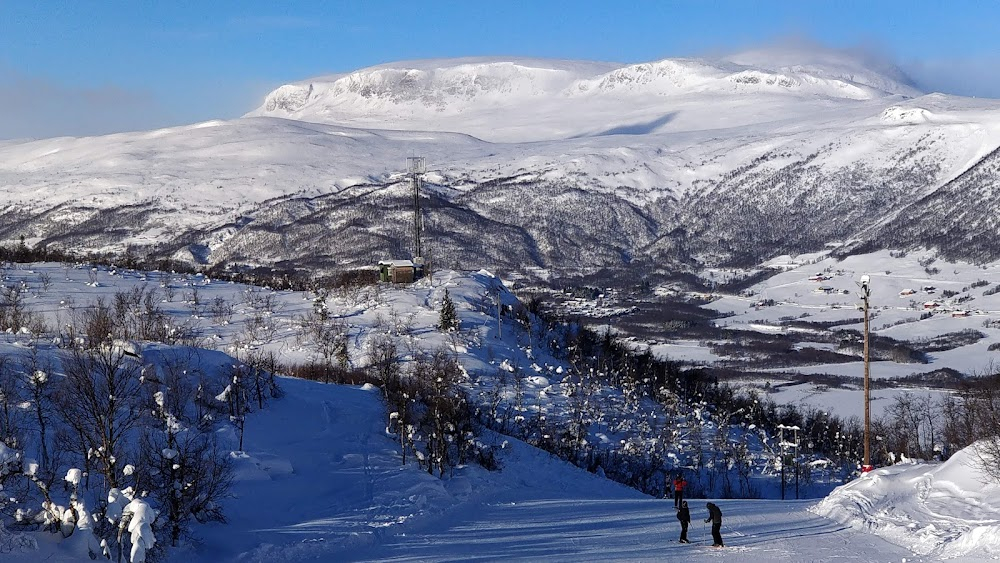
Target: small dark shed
x=396 y=271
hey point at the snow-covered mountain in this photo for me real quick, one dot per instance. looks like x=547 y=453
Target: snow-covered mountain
x=558 y=165
x=517 y=100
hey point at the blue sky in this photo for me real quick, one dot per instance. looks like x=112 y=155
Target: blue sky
x=76 y=67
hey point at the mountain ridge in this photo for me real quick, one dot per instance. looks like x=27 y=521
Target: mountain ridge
x=459 y=94
x=713 y=179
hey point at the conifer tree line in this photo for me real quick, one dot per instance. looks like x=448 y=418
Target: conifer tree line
x=721 y=455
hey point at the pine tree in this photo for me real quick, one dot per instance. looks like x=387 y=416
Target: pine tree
x=449 y=319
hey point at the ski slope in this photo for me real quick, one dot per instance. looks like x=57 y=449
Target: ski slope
x=334 y=490
x=320 y=479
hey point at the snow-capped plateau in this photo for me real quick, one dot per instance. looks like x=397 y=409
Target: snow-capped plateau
x=521 y=100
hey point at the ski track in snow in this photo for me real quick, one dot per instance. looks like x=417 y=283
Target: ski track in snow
x=344 y=496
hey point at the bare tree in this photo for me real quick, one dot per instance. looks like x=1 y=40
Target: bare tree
x=94 y=325
x=221 y=310
x=184 y=468
x=258 y=378
x=100 y=400
x=38 y=386
x=11 y=414
x=236 y=396
x=167 y=284
x=15 y=315
x=446 y=420
x=983 y=399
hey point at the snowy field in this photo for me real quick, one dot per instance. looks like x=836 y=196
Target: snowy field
x=950 y=296
x=333 y=490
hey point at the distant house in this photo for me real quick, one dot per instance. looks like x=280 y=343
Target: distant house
x=961 y=313
x=931 y=305
x=397 y=271
x=906 y=292
x=825 y=289
x=818 y=277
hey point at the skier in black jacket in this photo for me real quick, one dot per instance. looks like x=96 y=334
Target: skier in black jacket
x=684 y=515
x=715 y=516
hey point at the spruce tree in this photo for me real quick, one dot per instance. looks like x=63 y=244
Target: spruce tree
x=449 y=319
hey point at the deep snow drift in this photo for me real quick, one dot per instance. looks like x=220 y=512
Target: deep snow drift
x=947 y=510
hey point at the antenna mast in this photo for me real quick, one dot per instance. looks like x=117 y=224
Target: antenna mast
x=415 y=167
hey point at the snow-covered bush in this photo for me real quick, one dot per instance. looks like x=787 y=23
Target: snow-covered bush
x=430 y=413
x=134 y=519
x=185 y=469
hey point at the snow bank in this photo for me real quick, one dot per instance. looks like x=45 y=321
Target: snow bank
x=947 y=510
x=906 y=116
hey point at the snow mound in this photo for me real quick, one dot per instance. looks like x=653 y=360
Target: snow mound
x=906 y=116
x=260 y=467
x=945 y=509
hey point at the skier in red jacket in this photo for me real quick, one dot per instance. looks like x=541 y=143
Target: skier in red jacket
x=679 y=484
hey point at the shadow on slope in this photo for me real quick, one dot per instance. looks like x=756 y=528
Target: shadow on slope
x=634 y=128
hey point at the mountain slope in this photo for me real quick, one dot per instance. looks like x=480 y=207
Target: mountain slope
x=656 y=167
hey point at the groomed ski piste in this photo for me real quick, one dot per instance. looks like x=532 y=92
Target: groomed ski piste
x=320 y=479
x=334 y=490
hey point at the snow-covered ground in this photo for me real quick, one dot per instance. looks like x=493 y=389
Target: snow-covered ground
x=903 y=287
x=323 y=482
x=320 y=479
x=944 y=511
x=336 y=491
